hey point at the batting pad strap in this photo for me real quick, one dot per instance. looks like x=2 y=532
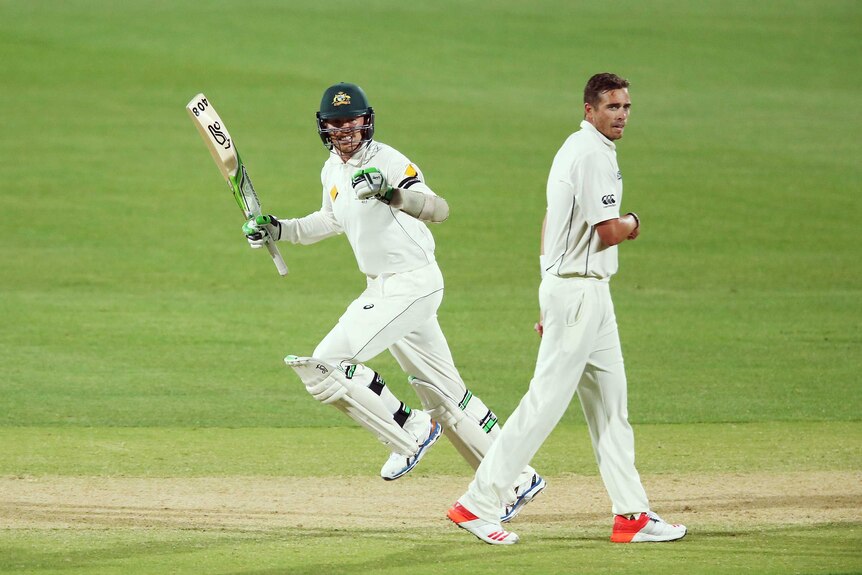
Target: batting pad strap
x=478 y=411
x=377 y=384
x=425 y=207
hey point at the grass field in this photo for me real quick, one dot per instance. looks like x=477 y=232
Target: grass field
x=147 y=424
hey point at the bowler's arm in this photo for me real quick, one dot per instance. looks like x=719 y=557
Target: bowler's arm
x=617 y=230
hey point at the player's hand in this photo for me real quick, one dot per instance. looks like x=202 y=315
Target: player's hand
x=539 y=327
x=370 y=183
x=259 y=229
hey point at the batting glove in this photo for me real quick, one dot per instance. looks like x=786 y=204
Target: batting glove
x=370 y=183
x=259 y=229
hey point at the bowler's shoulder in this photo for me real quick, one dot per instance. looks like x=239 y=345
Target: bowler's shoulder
x=588 y=143
x=577 y=144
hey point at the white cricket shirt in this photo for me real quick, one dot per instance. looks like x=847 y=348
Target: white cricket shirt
x=585 y=188
x=384 y=239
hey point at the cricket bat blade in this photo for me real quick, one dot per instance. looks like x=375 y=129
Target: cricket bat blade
x=223 y=151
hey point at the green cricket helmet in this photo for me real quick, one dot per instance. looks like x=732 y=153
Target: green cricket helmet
x=344 y=100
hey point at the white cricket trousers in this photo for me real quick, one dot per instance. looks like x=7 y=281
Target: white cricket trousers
x=580 y=351
x=397 y=312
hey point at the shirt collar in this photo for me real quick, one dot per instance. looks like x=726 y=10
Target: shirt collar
x=358 y=159
x=592 y=129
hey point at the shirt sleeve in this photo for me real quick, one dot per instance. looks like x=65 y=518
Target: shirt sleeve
x=314 y=227
x=309 y=229
x=405 y=175
x=598 y=185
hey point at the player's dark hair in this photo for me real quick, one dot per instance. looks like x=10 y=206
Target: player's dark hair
x=601 y=83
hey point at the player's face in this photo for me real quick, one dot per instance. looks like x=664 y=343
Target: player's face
x=611 y=113
x=345 y=134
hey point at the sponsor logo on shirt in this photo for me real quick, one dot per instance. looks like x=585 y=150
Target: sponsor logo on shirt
x=609 y=200
x=412 y=177
x=333 y=193
x=619 y=175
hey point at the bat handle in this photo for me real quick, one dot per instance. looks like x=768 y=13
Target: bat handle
x=276 y=257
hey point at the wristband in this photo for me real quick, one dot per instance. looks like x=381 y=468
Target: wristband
x=386 y=197
x=637 y=219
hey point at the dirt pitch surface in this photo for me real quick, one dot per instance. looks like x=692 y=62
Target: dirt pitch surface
x=260 y=503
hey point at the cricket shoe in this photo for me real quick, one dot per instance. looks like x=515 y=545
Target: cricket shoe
x=644 y=528
x=487 y=531
x=427 y=431
x=525 y=492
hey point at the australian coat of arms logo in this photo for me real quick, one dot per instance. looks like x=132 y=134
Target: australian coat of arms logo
x=341 y=99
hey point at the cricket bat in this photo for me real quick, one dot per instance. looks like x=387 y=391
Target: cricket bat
x=223 y=149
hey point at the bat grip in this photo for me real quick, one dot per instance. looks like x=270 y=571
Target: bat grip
x=276 y=258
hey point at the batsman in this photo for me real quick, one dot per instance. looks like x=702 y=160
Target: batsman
x=379 y=199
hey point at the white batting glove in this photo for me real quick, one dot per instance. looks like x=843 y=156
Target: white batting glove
x=259 y=229
x=370 y=183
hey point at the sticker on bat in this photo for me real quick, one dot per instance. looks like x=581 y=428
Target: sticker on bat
x=218 y=136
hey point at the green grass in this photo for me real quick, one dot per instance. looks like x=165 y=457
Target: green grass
x=310 y=552
x=140 y=337
x=261 y=451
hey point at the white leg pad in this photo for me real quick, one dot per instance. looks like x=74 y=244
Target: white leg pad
x=330 y=384
x=467 y=421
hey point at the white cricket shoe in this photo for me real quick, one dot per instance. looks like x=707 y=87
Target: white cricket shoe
x=644 y=528
x=492 y=533
x=426 y=431
x=525 y=492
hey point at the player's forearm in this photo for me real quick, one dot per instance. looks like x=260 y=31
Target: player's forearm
x=617 y=230
x=422 y=206
x=307 y=230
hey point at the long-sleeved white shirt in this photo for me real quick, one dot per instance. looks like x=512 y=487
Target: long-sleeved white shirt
x=384 y=239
